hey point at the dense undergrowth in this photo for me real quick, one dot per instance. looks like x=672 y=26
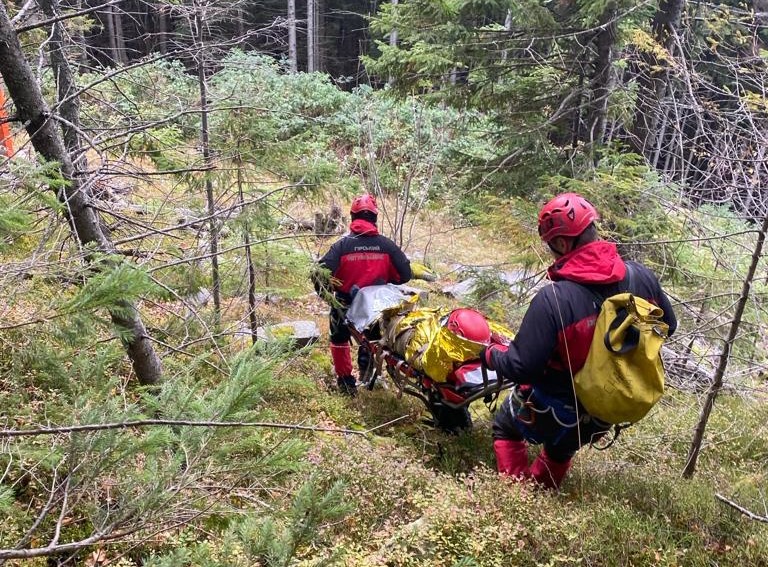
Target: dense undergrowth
x=404 y=495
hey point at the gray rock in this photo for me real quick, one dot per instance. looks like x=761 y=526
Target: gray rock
x=201 y=298
x=303 y=333
x=520 y=282
x=462 y=289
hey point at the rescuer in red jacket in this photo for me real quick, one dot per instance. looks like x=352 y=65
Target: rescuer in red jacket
x=553 y=342
x=360 y=258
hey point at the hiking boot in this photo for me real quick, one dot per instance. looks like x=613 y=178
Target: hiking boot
x=347 y=385
x=549 y=473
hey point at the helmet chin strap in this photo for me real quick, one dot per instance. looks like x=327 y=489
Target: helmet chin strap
x=568 y=245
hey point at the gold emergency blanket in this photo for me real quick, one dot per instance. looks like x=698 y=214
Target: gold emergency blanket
x=420 y=337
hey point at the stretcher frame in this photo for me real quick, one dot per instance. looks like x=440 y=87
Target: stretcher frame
x=416 y=383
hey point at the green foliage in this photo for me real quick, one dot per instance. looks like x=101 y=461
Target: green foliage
x=629 y=197
x=111 y=285
x=6 y=499
x=14 y=221
x=282 y=120
x=145 y=93
x=274 y=542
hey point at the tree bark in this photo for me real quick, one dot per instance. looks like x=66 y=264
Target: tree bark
x=254 y=326
x=121 y=56
x=292 y=53
x=162 y=29
x=208 y=161
x=507 y=28
x=717 y=382
x=602 y=79
x=69 y=109
x=653 y=76
x=392 y=43
x=33 y=112
x=109 y=22
x=311 y=36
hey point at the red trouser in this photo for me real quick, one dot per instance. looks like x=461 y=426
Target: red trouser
x=342 y=359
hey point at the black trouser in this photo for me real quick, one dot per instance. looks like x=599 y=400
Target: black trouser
x=560 y=445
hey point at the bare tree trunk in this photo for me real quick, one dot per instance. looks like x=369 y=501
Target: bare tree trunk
x=248 y=258
x=311 y=36
x=717 y=381
x=392 y=43
x=208 y=161
x=319 y=35
x=69 y=108
x=109 y=22
x=602 y=80
x=507 y=28
x=292 y=53
x=121 y=54
x=653 y=76
x=47 y=141
x=240 y=21
x=162 y=30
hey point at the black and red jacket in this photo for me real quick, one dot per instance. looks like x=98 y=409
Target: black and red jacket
x=364 y=257
x=554 y=338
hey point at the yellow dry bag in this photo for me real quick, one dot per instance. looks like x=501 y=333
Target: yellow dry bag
x=623 y=376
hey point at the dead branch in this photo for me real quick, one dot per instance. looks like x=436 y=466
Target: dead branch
x=181 y=422
x=747 y=513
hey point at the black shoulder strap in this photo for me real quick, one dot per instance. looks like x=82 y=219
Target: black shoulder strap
x=630 y=272
x=600 y=298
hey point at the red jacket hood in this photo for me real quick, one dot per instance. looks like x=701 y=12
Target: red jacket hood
x=594 y=263
x=360 y=226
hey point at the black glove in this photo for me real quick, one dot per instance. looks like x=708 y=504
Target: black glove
x=485 y=358
x=485 y=355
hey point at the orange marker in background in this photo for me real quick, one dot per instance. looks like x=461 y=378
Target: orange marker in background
x=6 y=143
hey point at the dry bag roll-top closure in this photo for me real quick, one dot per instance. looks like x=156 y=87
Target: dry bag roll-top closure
x=623 y=376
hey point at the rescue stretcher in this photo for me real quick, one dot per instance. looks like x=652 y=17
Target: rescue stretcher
x=424 y=353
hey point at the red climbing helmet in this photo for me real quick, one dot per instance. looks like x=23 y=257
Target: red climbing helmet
x=568 y=214
x=469 y=324
x=364 y=202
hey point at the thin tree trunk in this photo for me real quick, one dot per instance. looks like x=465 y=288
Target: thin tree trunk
x=653 y=76
x=248 y=259
x=47 y=141
x=208 y=161
x=162 y=30
x=292 y=53
x=311 y=36
x=602 y=79
x=392 y=43
x=121 y=55
x=507 y=28
x=110 y=24
x=717 y=381
x=240 y=22
x=319 y=35
x=69 y=109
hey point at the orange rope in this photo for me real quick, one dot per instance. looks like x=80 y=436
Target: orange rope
x=5 y=130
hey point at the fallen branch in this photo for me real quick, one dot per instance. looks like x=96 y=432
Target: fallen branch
x=747 y=513
x=182 y=422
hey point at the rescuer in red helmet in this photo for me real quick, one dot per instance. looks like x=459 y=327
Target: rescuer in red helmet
x=553 y=341
x=360 y=258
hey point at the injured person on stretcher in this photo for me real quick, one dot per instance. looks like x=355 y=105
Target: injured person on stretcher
x=429 y=353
